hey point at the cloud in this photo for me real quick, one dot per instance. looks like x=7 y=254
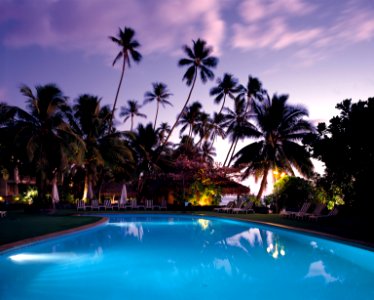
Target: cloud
x=68 y=25
x=274 y=34
x=312 y=31
x=257 y=10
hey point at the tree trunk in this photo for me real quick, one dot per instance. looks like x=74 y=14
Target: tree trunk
x=264 y=182
x=115 y=100
x=228 y=153
x=180 y=114
x=233 y=151
x=158 y=104
x=132 y=122
x=223 y=104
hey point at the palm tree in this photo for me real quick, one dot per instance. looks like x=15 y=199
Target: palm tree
x=131 y=111
x=198 y=59
x=252 y=91
x=211 y=128
x=150 y=159
x=208 y=152
x=228 y=85
x=281 y=127
x=160 y=94
x=162 y=131
x=238 y=126
x=45 y=134
x=91 y=122
x=190 y=118
x=125 y=40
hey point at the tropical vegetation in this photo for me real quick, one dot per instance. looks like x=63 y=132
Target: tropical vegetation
x=78 y=146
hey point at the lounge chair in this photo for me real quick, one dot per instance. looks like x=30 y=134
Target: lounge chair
x=126 y=205
x=107 y=204
x=332 y=213
x=229 y=205
x=95 y=204
x=135 y=205
x=246 y=207
x=2 y=213
x=164 y=205
x=304 y=208
x=156 y=206
x=148 y=204
x=229 y=208
x=316 y=212
x=82 y=205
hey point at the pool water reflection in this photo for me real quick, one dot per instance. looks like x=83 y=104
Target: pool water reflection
x=186 y=257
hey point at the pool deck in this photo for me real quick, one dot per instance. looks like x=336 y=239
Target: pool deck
x=21 y=243
x=352 y=242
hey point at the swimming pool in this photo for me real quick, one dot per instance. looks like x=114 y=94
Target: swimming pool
x=186 y=257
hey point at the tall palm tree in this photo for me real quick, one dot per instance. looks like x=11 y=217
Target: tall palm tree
x=160 y=94
x=198 y=59
x=281 y=127
x=238 y=125
x=44 y=132
x=125 y=40
x=131 y=111
x=227 y=86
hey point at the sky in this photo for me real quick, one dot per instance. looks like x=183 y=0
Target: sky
x=319 y=52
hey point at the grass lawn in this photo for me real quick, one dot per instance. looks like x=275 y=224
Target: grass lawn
x=18 y=225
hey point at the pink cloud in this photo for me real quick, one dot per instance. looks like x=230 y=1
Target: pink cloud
x=312 y=30
x=161 y=26
x=256 y=10
x=276 y=35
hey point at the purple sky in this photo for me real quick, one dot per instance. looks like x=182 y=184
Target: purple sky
x=319 y=52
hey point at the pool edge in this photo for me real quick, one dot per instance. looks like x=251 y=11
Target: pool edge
x=351 y=242
x=29 y=241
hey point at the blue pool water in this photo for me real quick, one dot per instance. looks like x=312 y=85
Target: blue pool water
x=186 y=257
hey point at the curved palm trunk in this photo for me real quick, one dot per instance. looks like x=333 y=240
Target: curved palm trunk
x=190 y=131
x=154 y=125
x=132 y=122
x=233 y=151
x=184 y=107
x=223 y=104
x=228 y=153
x=264 y=183
x=115 y=99
x=201 y=139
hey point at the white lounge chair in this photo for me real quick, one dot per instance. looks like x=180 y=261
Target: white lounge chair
x=246 y=207
x=95 y=204
x=82 y=205
x=156 y=206
x=316 y=212
x=149 y=204
x=135 y=205
x=230 y=205
x=332 y=213
x=107 y=204
x=164 y=205
x=304 y=208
